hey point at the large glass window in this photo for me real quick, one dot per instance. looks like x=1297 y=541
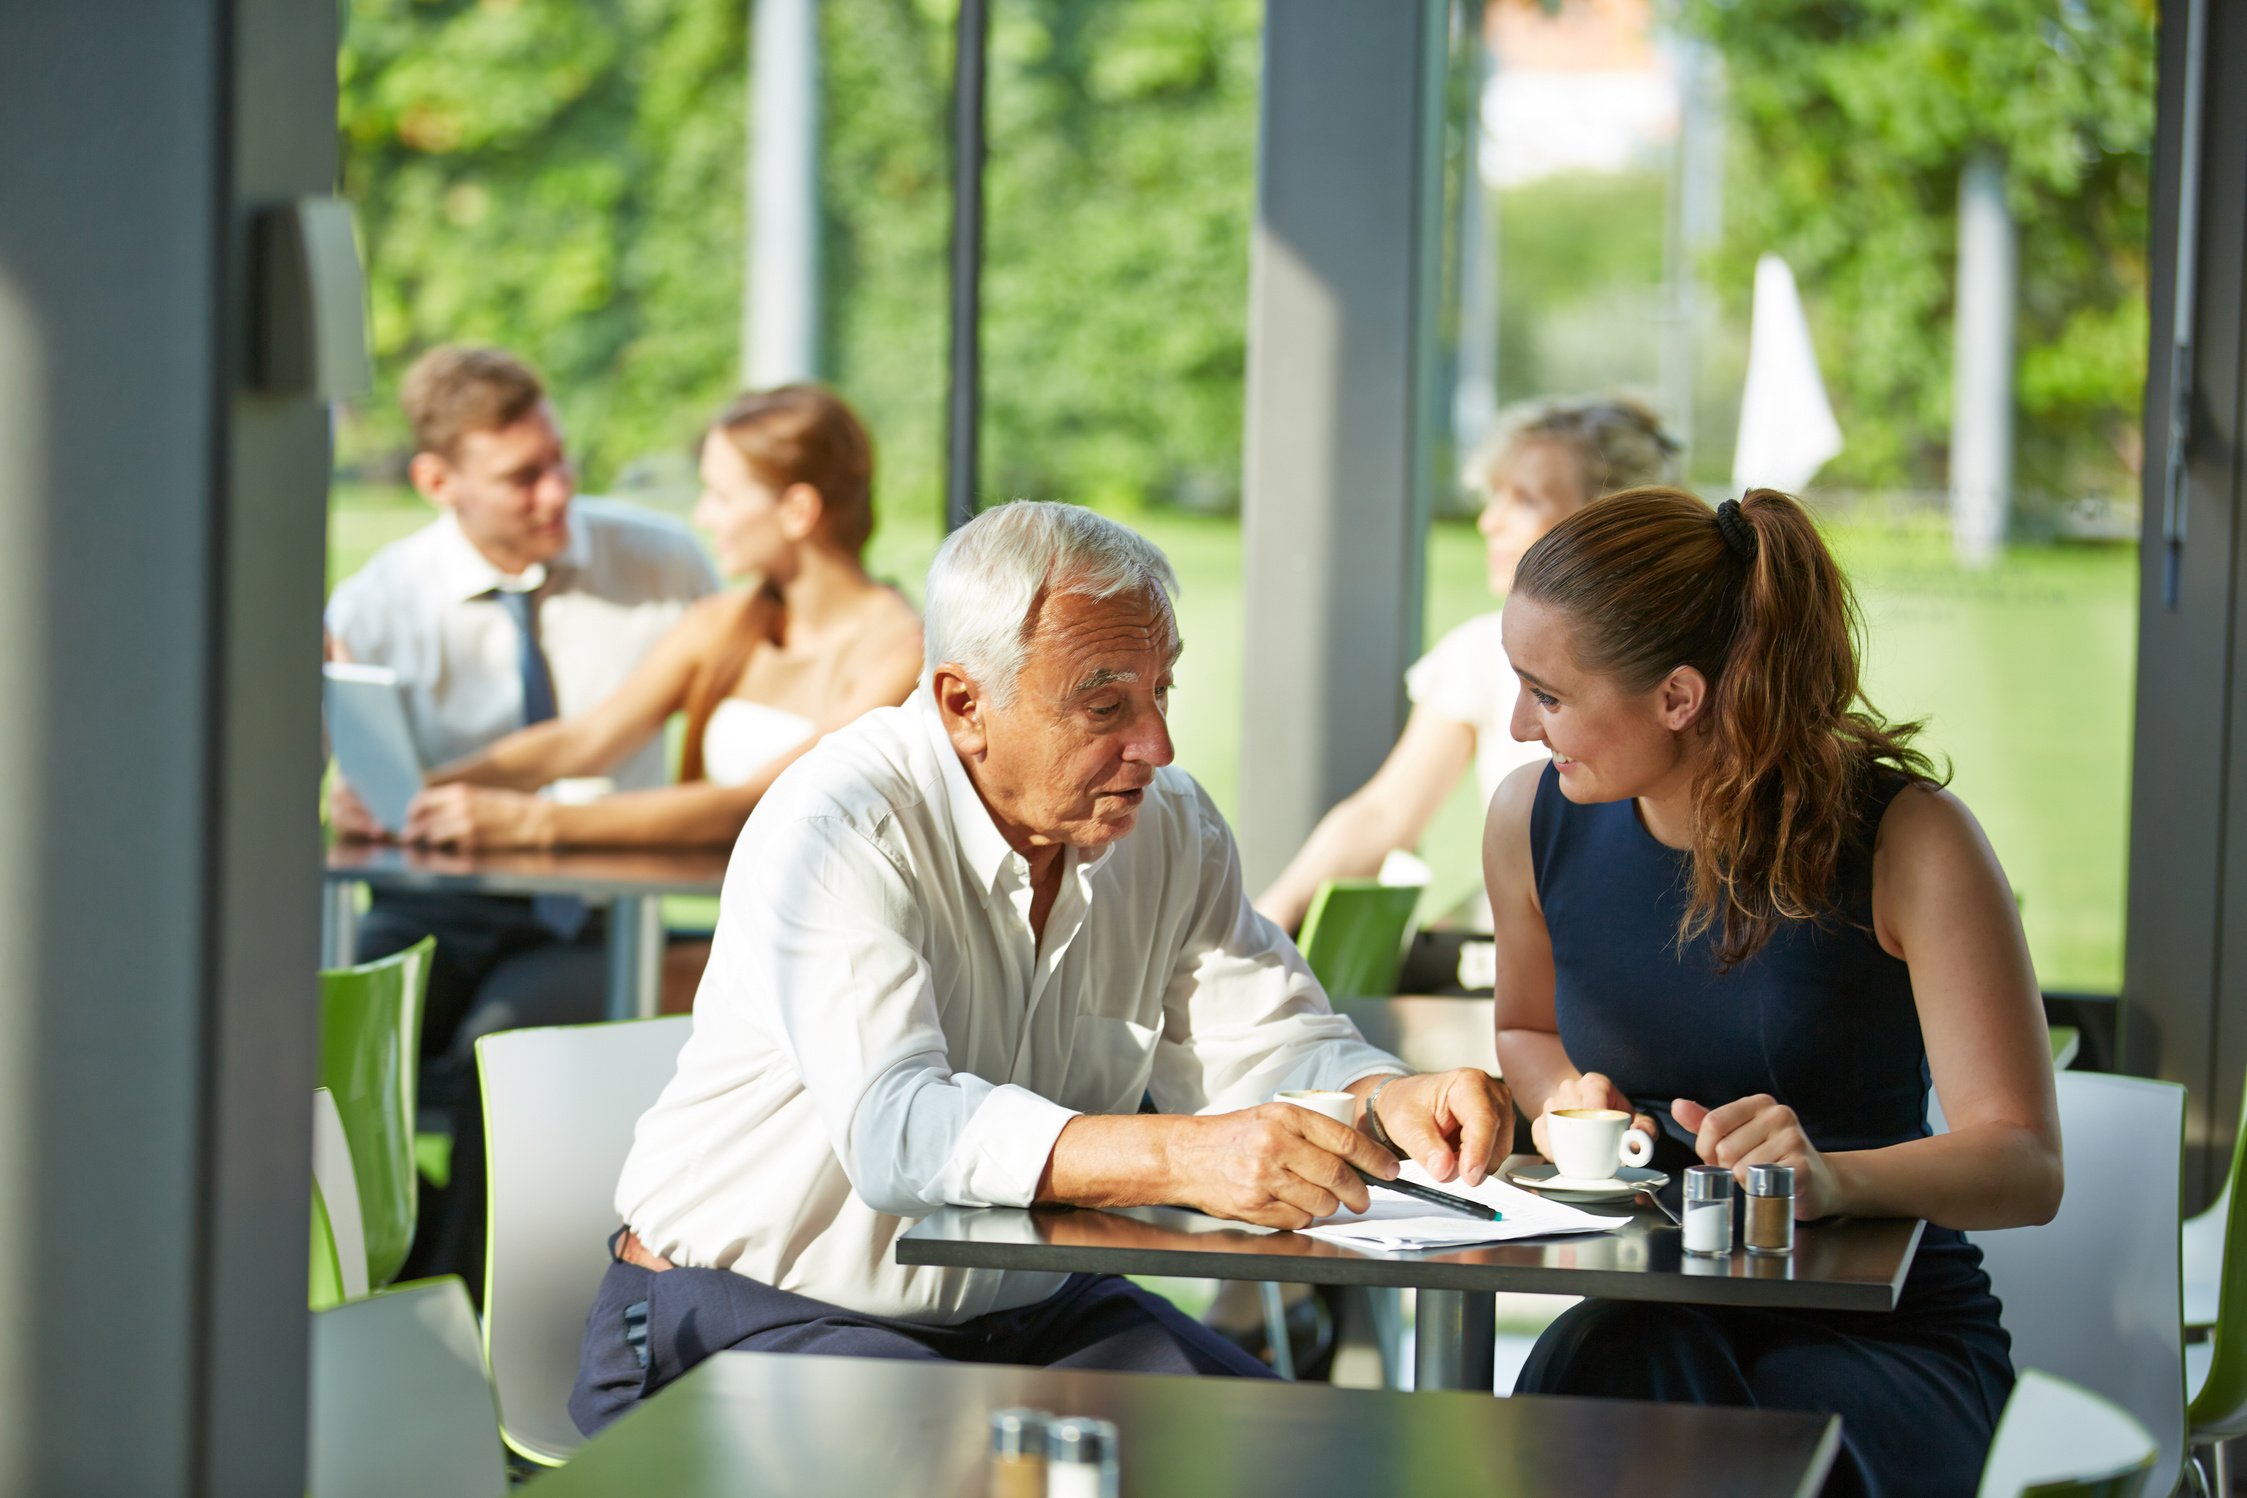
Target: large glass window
x=1637 y=161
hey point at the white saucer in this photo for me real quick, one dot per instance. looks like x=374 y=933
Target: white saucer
x=1542 y=1175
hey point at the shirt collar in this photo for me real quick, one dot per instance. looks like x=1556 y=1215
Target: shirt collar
x=465 y=573
x=982 y=846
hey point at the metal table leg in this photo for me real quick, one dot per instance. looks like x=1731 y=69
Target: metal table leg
x=1455 y=1340
x=635 y=956
x=339 y=922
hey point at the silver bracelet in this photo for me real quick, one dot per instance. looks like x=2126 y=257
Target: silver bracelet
x=1373 y=1119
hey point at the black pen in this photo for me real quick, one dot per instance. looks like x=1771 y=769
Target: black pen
x=1435 y=1198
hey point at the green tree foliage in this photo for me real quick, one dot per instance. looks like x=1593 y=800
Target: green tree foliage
x=566 y=177
x=1852 y=122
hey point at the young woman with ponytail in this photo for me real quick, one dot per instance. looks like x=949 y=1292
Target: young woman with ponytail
x=1740 y=904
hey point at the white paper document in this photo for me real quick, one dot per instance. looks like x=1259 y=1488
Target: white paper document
x=1394 y=1223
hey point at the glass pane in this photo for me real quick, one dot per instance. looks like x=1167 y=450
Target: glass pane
x=1637 y=162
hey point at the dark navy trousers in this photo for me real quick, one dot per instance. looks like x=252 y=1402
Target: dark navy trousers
x=648 y=1327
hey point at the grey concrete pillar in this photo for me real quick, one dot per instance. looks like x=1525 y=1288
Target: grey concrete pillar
x=1342 y=396
x=160 y=590
x=781 y=314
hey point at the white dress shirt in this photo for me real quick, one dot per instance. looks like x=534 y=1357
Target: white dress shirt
x=878 y=1032
x=425 y=606
x=1468 y=679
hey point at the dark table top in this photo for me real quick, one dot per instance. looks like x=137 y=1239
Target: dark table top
x=745 y=1423
x=1840 y=1265
x=523 y=871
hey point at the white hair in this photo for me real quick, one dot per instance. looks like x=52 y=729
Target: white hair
x=992 y=573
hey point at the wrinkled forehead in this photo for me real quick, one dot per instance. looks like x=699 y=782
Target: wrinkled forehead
x=1076 y=637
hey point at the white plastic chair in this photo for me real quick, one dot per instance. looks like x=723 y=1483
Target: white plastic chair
x=2092 y=1296
x=338 y=1185
x=399 y=1401
x=559 y=1108
x=2056 y=1437
x=2204 y=1261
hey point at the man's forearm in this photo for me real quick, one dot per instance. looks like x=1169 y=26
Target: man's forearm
x=1110 y=1160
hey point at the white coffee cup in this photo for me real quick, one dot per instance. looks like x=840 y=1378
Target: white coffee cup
x=1342 y=1107
x=1588 y=1144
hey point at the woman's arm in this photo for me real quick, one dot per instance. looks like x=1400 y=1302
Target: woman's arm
x=1530 y=1056
x=696 y=813
x=1389 y=811
x=604 y=735
x=1941 y=903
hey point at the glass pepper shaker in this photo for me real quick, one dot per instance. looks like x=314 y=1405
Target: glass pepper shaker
x=1708 y=1210
x=1018 y=1454
x=1770 y=1225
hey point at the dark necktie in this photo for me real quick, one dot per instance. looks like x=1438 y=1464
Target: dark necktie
x=564 y=915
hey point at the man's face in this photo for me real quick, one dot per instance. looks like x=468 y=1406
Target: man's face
x=1068 y=761
x=509 y=487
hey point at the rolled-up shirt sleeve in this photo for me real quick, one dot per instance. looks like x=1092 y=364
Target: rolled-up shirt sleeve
x=1243 y=1016
x=831 y=930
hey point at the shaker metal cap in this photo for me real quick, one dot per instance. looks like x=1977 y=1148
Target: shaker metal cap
x=1771 y=1180
x=1018 y=1432
x=1077 y=1439
x=1708 y=1183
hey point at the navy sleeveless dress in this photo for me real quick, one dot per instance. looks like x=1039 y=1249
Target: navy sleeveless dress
x=1822 y=1019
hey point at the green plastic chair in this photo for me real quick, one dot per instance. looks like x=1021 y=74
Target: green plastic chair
x=2216 y=1370
x=1354 y=936
x=370 y=1050
x=338 y=1271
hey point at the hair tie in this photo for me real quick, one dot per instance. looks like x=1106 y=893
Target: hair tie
x=1738 y=531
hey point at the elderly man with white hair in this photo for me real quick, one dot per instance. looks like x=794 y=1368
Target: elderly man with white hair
x=959 y=941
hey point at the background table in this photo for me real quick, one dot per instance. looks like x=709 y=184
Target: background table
x=1839 y=1266
x=632 y=881
x=746 y=1423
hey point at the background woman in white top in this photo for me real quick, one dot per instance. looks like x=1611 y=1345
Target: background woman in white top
x=1544 y=461
x=760 y=673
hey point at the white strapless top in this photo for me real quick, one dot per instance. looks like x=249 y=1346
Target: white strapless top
x=743 y=736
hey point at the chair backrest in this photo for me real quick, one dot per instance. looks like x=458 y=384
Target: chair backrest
x=2093 y=1296
x=2058 y=1440
x=2219 y=1406
x=335 y=1206
x=370 y=1049
x=399 y=1401
x=559 y=1108
x=1354 y=936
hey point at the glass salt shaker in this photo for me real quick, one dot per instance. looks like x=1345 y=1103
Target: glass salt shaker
x=1080 y=1459
x=1708 y=1210
x=1770 y=1225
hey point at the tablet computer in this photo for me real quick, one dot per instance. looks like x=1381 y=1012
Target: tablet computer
x=372 y=739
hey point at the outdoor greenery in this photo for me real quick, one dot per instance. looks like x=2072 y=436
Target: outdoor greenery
x=1851 y=123
x=566 y=177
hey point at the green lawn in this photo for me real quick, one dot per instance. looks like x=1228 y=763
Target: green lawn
x=2023 y=672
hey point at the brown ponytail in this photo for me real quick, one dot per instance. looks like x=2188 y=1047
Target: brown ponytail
x=1650 y=581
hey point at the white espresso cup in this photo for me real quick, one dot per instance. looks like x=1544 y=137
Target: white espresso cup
x=1588 y=1144
x=1342 y=1107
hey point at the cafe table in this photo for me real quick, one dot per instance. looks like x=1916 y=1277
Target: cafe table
x=1837 y=1265
x=748 y=1423
x=630 y=881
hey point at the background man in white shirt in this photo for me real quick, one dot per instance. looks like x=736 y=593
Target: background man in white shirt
x=519 y=603
x=958 y=942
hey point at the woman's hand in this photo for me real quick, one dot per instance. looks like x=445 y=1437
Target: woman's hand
x=476 y=816
x=1761 y=1130
x=1589 y=1090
